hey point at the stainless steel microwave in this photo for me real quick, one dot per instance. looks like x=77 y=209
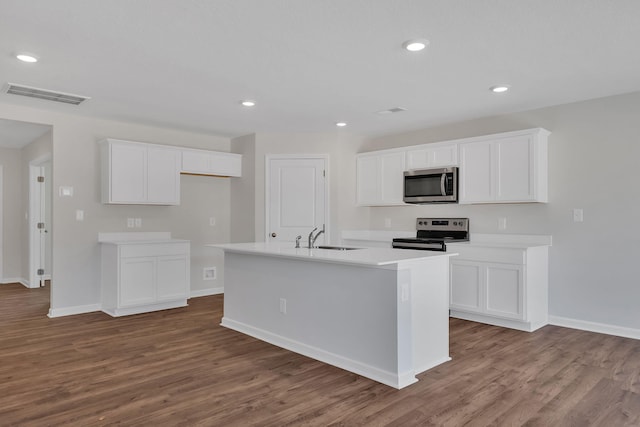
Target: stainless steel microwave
x=423 y=186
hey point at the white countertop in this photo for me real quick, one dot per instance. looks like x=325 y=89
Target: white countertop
x=512 y=241
x=515 y=241
x=136 y=238
x=365 y=256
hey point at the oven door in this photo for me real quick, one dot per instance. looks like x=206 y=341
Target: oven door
x=431 y=186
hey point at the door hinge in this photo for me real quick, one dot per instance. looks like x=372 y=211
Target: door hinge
x=41 y=179
x=40 y=225
x=324 y=173
x=40 y=271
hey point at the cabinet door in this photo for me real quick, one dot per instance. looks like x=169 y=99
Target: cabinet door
x=127 y=173
x=446 y=155
x=392 y=175
x=432 y=157
x=418 y=158
x=137 y=281
x=476 y=172
x=225 y=164
x=505 y=291
x=163 y=176
x=195 y=161
x=466 y=286
x=367 y=181
x=172 y=278
x=515 y=169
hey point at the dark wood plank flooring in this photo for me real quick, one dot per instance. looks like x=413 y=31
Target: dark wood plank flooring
x=180 y=368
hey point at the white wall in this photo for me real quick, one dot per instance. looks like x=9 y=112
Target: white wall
x=12 y=214
x=76 y=253
x=341 y=148
x=243 y=190
x=593 y=164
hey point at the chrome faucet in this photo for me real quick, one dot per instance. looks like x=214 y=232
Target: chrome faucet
x=312 y=238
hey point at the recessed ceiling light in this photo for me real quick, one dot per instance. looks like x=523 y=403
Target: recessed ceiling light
x=341 y=124
x=248 y=103
x=25 y=57
x=499 y=88
x=415 y=45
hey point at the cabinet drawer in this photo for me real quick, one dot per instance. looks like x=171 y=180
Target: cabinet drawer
x=489 y=254
x=153 y=249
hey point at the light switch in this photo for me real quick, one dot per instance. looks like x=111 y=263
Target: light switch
x=138 y=222
x=578 y=215
x=212 y=221
x=79 y=215
x=130 y=223
x=387 y=223
x=65 y=191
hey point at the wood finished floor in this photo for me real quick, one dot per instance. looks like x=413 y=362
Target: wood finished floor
x=180 y=368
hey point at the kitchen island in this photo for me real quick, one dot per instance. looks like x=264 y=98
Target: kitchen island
x=381 y=313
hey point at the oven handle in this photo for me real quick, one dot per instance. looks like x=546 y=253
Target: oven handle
x=442 y=179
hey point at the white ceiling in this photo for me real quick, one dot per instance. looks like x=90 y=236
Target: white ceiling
x=14 y=134
x=310 y=63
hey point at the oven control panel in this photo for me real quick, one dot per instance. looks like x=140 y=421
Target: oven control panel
x=453 y=224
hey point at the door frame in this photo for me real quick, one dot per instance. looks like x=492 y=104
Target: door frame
x=1 y=225
x=267 y=186
x=34 y=207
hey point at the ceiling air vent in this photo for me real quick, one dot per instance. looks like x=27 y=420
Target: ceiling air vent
x=47 y=95
x=392 y=110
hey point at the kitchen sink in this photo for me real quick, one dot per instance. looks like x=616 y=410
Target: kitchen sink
x=337 y=248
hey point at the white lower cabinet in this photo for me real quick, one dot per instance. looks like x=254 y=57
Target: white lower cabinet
x=138 y=277
x=500 y=286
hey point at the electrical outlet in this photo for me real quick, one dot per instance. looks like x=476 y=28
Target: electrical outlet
x=404 y=292
x=138 y=222
x=578 y=215
x=209 y=273
x=79 y=215
x=502 y=223
x=283 y=306
x=130 y=223
x=387 y=223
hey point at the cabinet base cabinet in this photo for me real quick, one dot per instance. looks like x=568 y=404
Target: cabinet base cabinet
x=487 y=286
x=146 y=276
x=527 y=326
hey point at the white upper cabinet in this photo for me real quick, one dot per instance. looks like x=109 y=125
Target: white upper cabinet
x=380 y=178
x=203 y=162
x=505 y=168
x=432 y=156
x=138 y=173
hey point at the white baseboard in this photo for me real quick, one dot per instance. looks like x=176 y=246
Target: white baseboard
x=601 y=328
x=23 y=282
x=70 y=311
x=205 y=292
x=399 y=380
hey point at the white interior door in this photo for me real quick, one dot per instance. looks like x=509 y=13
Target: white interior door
x=40 y=248
x=296 y=198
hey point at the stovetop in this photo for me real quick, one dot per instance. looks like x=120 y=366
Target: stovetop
x=434 y=233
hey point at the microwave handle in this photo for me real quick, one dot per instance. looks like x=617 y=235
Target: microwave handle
x=442 y=180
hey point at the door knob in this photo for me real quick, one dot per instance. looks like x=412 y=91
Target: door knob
x=273 y=234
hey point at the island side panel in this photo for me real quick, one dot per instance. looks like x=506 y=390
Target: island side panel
x=341 y=314
x=430 y=312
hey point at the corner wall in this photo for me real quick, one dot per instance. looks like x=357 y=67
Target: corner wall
x=76 y=252
x=12 y=214
x=593 y=165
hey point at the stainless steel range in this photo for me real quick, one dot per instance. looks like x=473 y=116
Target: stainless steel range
x=434 y=234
